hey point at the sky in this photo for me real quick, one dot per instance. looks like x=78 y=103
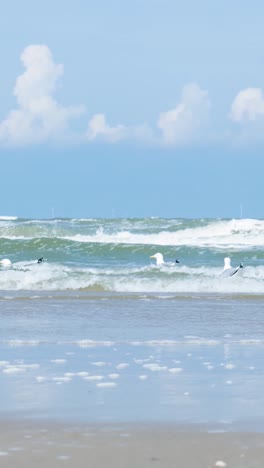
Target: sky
x=117 y=108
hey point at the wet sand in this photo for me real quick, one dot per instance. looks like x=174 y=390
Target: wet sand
x=30 y=444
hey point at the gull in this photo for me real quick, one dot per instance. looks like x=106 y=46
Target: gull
x=159 y=259
x=228 y=270
x=5 y=262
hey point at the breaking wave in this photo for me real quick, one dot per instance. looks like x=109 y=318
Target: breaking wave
x=113 y=255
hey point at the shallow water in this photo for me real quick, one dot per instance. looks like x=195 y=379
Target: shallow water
x=112 y=357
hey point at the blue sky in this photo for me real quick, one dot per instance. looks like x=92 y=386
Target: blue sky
x=143 y=108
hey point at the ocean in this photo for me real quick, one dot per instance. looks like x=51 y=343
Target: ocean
x=100 y=333
x=113 y=255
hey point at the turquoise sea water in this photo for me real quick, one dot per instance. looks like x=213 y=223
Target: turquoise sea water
x=99 y=332
x=114 y=255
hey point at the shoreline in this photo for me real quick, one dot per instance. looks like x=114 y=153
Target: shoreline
x=43 y=443
x=84 y=294
x=36 y=421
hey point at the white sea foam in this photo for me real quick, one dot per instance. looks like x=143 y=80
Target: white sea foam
x=229 y=366
x=18 y=343
x=61 y=379
x=143 y=377
x=232 y=234
x=41 y=379
x=14 y=370
x=106 y=384
x=146 y=279
x=192 y=284
x=93 y=343
x=122 y=365
x=8 y=218
x=113 y=376
x=93 y=377
x=168 y=343
x=140 y=361
x=220 y=464
x=29 y=366
x=154 y=367
x=58 y=361
x=175 y=370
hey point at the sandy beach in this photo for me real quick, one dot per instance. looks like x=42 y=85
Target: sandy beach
x=27 y=445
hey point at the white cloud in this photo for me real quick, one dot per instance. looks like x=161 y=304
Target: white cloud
x=187 y=120
x=98 y=128
x=39 y=117
x=248 y=105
